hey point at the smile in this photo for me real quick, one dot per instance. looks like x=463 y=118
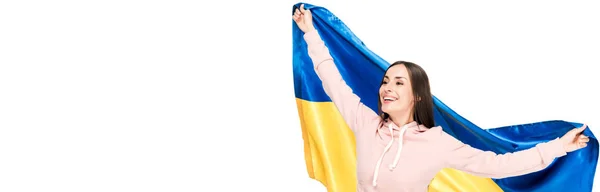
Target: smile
x=389 y=99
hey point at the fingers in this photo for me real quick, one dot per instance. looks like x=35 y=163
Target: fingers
x=304 y=11
x=579 y=130
x=582 y=141
x=299 y=11
x=297 y=14
x=582 y=128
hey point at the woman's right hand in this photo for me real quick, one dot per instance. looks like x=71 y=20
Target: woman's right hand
x=303 y=19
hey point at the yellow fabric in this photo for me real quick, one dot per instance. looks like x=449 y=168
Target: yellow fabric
x=330 y=154
x=449 y=179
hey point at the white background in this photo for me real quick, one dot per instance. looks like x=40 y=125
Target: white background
x=161 y=96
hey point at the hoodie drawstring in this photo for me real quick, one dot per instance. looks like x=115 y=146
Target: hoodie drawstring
x=391 y=166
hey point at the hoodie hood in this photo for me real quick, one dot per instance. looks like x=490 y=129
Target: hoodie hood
x=385 y=133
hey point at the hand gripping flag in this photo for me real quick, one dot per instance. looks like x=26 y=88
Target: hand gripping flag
x=329 y=145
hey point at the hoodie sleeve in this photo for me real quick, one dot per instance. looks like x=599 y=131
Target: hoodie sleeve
x=488 y=164
x=354 y=112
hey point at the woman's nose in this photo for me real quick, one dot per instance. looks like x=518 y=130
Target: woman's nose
x=387 y=88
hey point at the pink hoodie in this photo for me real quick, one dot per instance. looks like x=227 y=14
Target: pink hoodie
x=417 y=154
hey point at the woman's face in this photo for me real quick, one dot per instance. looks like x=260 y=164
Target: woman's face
x=395 y=93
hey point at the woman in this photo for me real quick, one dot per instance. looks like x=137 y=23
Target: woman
x=396 y=149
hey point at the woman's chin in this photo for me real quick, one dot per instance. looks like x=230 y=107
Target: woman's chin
x=387 y=110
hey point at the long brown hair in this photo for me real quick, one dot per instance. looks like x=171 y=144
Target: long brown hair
x=423 y=108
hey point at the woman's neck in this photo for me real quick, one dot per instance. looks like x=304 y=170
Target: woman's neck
x=401 y=120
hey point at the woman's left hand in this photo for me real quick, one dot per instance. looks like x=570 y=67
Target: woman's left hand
x=574 y=139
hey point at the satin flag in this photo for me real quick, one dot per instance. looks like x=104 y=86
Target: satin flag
x=329 y=144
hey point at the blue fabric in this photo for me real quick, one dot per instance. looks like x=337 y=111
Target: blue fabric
x=362 y=70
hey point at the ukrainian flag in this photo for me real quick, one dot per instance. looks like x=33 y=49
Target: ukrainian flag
x=330 y=146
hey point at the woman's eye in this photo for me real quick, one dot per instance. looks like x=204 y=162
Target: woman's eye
x=399 y=83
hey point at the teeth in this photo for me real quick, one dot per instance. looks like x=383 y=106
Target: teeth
x=388 y=99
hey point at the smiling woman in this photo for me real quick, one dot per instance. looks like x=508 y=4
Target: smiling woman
x=402 y=79
x=427 y=140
